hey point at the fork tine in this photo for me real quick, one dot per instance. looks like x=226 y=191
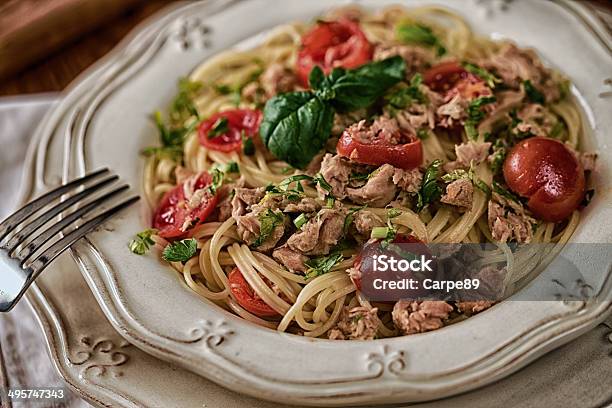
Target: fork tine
x=47 y=216
x=60 y=246
x=65 y=222
x=11 y=222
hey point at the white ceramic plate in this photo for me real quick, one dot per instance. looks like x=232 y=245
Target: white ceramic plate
x=107 y=125
x=100 y=366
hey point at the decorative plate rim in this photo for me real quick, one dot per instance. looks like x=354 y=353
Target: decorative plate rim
x=91 y=262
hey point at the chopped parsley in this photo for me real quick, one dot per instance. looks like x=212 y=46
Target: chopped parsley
x=220 y=127
x=490 y=79
x=182 y=107
x=248 y=146
x=180 y=251
x=504 y=192
x=403 y=96
x=475 y=115
x=394 y=212
x=533 y=94
x=430 y=191
x=300 y=220
x=419 y=34
x=348 y=220
x=322 y=265
x=268 y=220
x=143 y=242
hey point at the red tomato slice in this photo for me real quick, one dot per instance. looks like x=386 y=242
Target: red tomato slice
x=246 y=297
x=331 y=45
x=451 y=77
x=547 y=172
x=239 y=121
x=173 y=211
x=404 y=156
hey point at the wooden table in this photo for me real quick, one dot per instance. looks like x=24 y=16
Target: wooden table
x=56 y=71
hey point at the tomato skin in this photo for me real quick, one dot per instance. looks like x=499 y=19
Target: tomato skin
x=239 y=120
x=172 y=210
x=404 y=156
x=450 y=78
x=549 y=174
x=244 y=295
x=331 y=45
x=399 y=239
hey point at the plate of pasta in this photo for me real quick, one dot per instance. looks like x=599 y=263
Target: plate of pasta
x=272 y=156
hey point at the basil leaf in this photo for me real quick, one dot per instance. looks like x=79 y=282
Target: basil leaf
x=419 y=34
x=296 y=127
x=180 y=251
x=316 y=78
x=533 y=94
x=430 y=191
x=361 y=87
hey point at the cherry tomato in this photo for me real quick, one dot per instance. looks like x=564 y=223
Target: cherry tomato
x=373 y=248
x=404 y=156
x=331 y=45
x=223 y=131
x=174 y=209
x=451 y=78
x=246 y=297
x=549 y=174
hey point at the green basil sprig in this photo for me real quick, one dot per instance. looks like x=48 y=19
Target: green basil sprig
x=296 y=125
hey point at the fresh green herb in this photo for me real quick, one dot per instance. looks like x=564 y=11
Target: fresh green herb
x=300 y=220
x=296 y=125
x=504 y=192
x=231 y=167
x=322 y=265
x=180 y=251
x=475 y=115
x=268 y=220
x=143 y=242
x=404 y=96
x=182 y=107
x=394 y=212
x=419 y=34
x=220 y=127
x=359 y=176
x=284 y=185
x=348 y=220
x=171 y=136
x=564 y=89
x=558 y=129
x=430 y=191
x=422 y=133
x=234 y=93
x=490 y=79
x=459 y=174
x=248 y=146
x=219 y=174
x=329 y=202
x=379 y=232
x=533 y=94
x=588 y=197
x=483 y=187
x=174 y=153
x=320 y=180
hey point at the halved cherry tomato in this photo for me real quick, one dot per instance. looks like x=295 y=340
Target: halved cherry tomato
x=547 y=172
x=450 y=77
x=331 y=45
x=174 y=210
x=239 y=122
x=246 y=297
x=404 y=156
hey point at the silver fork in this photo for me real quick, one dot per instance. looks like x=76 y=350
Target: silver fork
x=29 y=241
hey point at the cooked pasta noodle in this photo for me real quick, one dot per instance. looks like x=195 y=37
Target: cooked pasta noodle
x=312 y=306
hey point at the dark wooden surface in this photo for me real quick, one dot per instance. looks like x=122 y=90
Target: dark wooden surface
x=54 y=72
